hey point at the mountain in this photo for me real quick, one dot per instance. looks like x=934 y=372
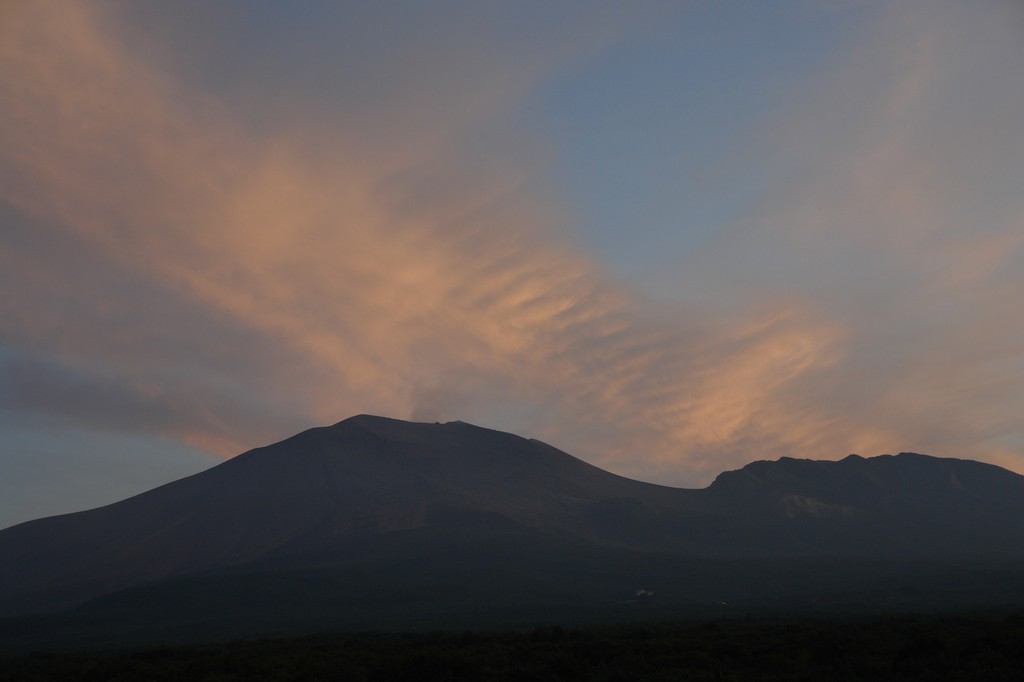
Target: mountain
x=376 y=522
x=364 y=476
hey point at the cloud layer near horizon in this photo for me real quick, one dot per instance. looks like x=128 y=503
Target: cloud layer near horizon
x=186 y=271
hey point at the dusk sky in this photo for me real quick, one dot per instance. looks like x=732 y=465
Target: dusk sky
x=669 y=238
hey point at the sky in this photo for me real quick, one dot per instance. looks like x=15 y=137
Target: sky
x=669 y=238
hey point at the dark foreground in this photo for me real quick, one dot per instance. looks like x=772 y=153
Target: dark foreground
x=932 y=647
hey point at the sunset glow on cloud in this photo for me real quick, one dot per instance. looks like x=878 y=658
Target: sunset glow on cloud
x=184 y=267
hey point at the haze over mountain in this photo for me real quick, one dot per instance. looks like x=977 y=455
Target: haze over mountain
x=390 y=518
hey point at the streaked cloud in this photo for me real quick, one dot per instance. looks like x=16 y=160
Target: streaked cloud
x=897 y=213
x=184 y=270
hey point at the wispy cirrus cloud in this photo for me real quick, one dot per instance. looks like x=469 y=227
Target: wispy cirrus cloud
x=897 y=213
x=231 y=282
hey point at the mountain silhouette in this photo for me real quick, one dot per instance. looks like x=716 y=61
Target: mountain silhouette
x=376 y=522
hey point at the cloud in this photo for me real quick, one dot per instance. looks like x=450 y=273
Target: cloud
x=170 y=407
x=897 y=213
x=227 y=282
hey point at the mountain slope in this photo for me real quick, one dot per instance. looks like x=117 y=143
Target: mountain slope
x=370 y=493
x=365 y=475
x=903 y=505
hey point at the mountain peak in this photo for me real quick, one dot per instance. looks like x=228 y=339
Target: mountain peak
x=367 y=420
x=317 y=495
x=379 y=423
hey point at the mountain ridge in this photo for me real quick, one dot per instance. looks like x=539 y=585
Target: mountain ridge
x=384 y=492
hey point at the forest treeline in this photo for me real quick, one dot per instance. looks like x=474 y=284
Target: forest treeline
x=891 y=647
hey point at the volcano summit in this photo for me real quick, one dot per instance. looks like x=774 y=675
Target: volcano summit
x=380 y=523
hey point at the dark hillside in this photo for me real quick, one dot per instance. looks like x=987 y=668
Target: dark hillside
x=378 y=523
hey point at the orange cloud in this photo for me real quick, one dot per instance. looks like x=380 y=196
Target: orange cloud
x=347 y=285
x=899 y=216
